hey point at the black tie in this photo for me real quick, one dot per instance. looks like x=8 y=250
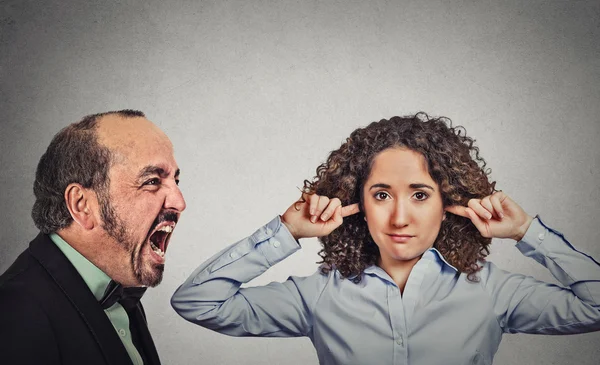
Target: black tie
x=127 y=297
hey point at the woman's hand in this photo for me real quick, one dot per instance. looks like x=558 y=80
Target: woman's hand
x=317 y=216
x=496 y=215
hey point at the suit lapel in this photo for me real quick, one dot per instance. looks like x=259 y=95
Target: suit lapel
x=72 y=285
x=138 y=318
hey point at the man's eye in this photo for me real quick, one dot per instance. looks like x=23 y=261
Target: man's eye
x=381 y=195
x=420 y=195
x=154 y=181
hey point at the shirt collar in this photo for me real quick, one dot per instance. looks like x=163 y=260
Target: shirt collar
x=376 y=270
x=431 y=254
x=95 y=278
x=434 y=255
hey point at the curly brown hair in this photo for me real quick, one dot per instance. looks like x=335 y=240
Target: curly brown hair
x=454 y=164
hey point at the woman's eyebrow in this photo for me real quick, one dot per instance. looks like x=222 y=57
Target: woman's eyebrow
x=380 y=185
x=421 y=186
x=412 y=186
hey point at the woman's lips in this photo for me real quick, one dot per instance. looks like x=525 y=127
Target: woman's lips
x=401 y=238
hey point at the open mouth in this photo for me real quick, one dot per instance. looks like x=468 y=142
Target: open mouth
x=159 y=239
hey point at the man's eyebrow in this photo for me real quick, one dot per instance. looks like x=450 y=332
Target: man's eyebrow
x=421 y=186
x=153 y=170
x=177 y=173
x=380 y=185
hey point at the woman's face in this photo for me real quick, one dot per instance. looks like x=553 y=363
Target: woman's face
x=402 y=205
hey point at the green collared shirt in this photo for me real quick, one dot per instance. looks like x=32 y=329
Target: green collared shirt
x=97 y=281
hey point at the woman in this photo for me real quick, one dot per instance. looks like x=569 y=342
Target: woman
x=405 y=212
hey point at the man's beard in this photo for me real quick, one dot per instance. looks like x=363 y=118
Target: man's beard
x=116 y=228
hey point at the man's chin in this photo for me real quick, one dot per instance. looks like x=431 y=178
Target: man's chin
x=149 y=271
x=151 y=276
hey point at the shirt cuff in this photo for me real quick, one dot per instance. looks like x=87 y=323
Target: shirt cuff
x=275 y=241
x=533 y=238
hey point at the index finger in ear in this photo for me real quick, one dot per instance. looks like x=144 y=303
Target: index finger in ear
x=302 y=200
x=457 y=210
x=350 y=209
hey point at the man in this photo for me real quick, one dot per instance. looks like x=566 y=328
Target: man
x=107 y=200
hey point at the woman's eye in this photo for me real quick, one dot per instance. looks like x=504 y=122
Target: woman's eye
x=420 y=195
x=382 y=195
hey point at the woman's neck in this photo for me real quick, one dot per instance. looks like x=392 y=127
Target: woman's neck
x=398 y=270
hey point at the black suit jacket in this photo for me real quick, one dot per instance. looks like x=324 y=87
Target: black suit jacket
x=48 y=315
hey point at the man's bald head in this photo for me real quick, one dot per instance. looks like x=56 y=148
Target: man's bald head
x=123 y=138
x=80 y=153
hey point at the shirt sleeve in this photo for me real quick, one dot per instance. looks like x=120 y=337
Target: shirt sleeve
x=211 y=297
x=524 y=304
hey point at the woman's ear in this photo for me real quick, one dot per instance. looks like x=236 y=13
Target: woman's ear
x=80 y=202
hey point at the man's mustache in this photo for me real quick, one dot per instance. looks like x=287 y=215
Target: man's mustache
x=164 y=217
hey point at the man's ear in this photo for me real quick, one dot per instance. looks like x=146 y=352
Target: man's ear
x=80 y=202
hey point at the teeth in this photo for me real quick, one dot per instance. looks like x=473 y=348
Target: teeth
x=167 y=229
x=157 y=250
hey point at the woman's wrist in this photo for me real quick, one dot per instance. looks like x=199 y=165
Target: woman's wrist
x=523 y=229
x=289 y=227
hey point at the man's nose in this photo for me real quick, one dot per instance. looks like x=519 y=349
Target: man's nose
x=400 y=215
x=175 y=200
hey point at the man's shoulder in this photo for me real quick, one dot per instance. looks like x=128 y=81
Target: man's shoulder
x=23 y=275
x=24 y=268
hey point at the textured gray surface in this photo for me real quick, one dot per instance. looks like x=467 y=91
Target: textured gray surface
x=254 y=94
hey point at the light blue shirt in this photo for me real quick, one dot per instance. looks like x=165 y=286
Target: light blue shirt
x=441 y=318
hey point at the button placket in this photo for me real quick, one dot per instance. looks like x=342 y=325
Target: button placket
x=398 y=323
x=400 y=340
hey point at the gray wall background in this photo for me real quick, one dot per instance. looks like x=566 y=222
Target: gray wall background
x=254 y=94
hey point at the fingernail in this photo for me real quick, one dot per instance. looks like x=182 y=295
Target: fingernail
x=488 y=216
x=313 y=218
x=501 y=215
x=324 y=217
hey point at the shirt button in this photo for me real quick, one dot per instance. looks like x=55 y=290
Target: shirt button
x=400 y=341
x=541 y=236
x=276 y=244
x=232 y=254
x=122 y=332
